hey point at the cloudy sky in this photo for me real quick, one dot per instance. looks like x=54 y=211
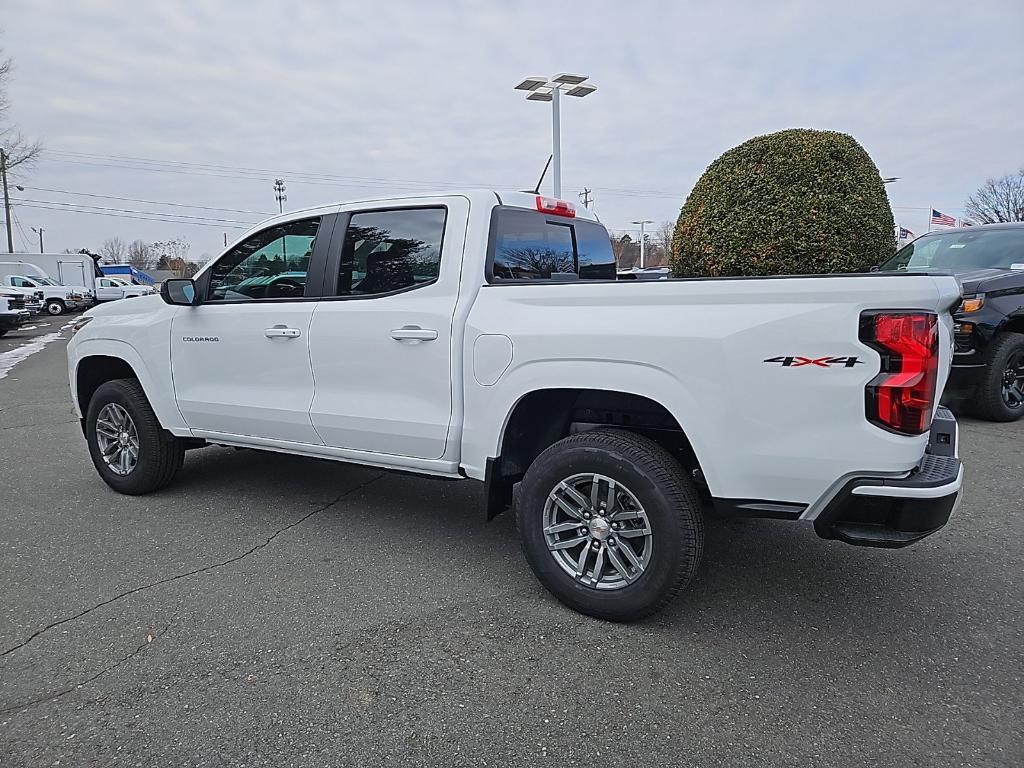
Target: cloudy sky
x=349 y=99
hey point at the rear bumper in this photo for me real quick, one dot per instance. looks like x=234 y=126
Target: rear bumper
x=872 y=511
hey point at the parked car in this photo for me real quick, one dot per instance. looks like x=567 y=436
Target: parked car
x=113 y=288
x=13 y=313
x=988 y=361
x=484 y=335
x=57 y=298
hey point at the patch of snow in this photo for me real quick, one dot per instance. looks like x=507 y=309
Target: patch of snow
x=12 y=357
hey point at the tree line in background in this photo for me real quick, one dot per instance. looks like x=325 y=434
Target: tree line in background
x=166 y=255
x=998 y=200
x=657 y=247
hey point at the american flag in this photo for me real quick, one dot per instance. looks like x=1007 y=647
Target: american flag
x=940 y=218
x=905 y=234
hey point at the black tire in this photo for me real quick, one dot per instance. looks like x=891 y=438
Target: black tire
x=55 y=307
x=990 y=402
x=160 y=453
x=660 y=485
x=3 y=332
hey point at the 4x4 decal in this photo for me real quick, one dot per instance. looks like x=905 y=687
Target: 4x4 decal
x=796 y=361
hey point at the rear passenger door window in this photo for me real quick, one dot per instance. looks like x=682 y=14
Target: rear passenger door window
x=388 y=251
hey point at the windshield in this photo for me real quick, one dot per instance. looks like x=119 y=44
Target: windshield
x=962 y=251
x=44 y=281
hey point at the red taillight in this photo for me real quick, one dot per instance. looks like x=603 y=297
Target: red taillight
x=901 y=398
x=555 y=207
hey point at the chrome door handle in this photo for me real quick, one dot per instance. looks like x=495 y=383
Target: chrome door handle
x=280 y=332
x=413 y=334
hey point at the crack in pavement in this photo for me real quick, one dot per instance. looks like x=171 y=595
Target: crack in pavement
x=195 y=572
x=54 y=695
x=46 y=424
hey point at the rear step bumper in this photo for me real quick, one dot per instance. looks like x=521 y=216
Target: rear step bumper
x=886 y=512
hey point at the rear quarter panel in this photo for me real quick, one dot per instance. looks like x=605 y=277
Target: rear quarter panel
x=698 y=347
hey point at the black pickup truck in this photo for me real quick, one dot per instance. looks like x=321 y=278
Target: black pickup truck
x=988 y=358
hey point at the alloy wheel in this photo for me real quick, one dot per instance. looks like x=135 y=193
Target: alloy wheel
x=597 y=531
x=117 y=438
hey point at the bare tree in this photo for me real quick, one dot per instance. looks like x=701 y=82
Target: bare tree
x=113 y=250
x=20 y=151
x=663 y=237
x=140 y=255
x=172 y=255
x=626 y=251
x=998 y=200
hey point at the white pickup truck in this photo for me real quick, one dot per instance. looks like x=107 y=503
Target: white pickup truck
x=484 y=335
x=57 y=299
x=113 y=288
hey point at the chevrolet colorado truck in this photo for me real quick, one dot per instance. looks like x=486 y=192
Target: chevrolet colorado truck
x=484 y=336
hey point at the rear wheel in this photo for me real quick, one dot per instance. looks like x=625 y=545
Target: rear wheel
x=1001 y=393
x=610 y=524
x=129 y=448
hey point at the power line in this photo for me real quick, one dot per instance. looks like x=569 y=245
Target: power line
x=131 y=162
x=21 y=231
x=147 y=202
x=132 y=210
x=127 y=216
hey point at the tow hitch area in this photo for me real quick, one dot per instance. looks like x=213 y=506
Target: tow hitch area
x=889 y=512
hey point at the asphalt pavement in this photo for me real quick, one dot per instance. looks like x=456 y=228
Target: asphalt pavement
x=267 y=610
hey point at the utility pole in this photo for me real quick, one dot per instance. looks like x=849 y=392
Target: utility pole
x=40 y=233
x=585 y=197
x=7 y=200
x=279 y=194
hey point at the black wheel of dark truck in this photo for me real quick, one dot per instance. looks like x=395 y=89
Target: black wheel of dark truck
x=131 y=451
x=1000 y=395
x=610 y=524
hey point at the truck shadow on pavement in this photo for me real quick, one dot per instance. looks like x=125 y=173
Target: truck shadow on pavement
x=779 y=572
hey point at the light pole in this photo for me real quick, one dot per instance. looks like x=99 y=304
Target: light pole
x=40 y=233
x=542 y=89
x=643 y=243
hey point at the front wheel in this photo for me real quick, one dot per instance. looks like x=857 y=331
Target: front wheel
x=129 y=448
x=55 y=307
x=1001 y=393
x=610 y=524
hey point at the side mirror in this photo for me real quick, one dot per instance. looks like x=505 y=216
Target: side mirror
x=179 y=291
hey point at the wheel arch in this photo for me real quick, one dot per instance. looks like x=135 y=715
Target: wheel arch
x=100 y=360
x=541 y=417
x=1012 y=324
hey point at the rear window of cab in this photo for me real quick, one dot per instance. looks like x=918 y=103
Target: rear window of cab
x=528 y=245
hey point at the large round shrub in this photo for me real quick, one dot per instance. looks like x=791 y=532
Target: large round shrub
x=794 y=202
